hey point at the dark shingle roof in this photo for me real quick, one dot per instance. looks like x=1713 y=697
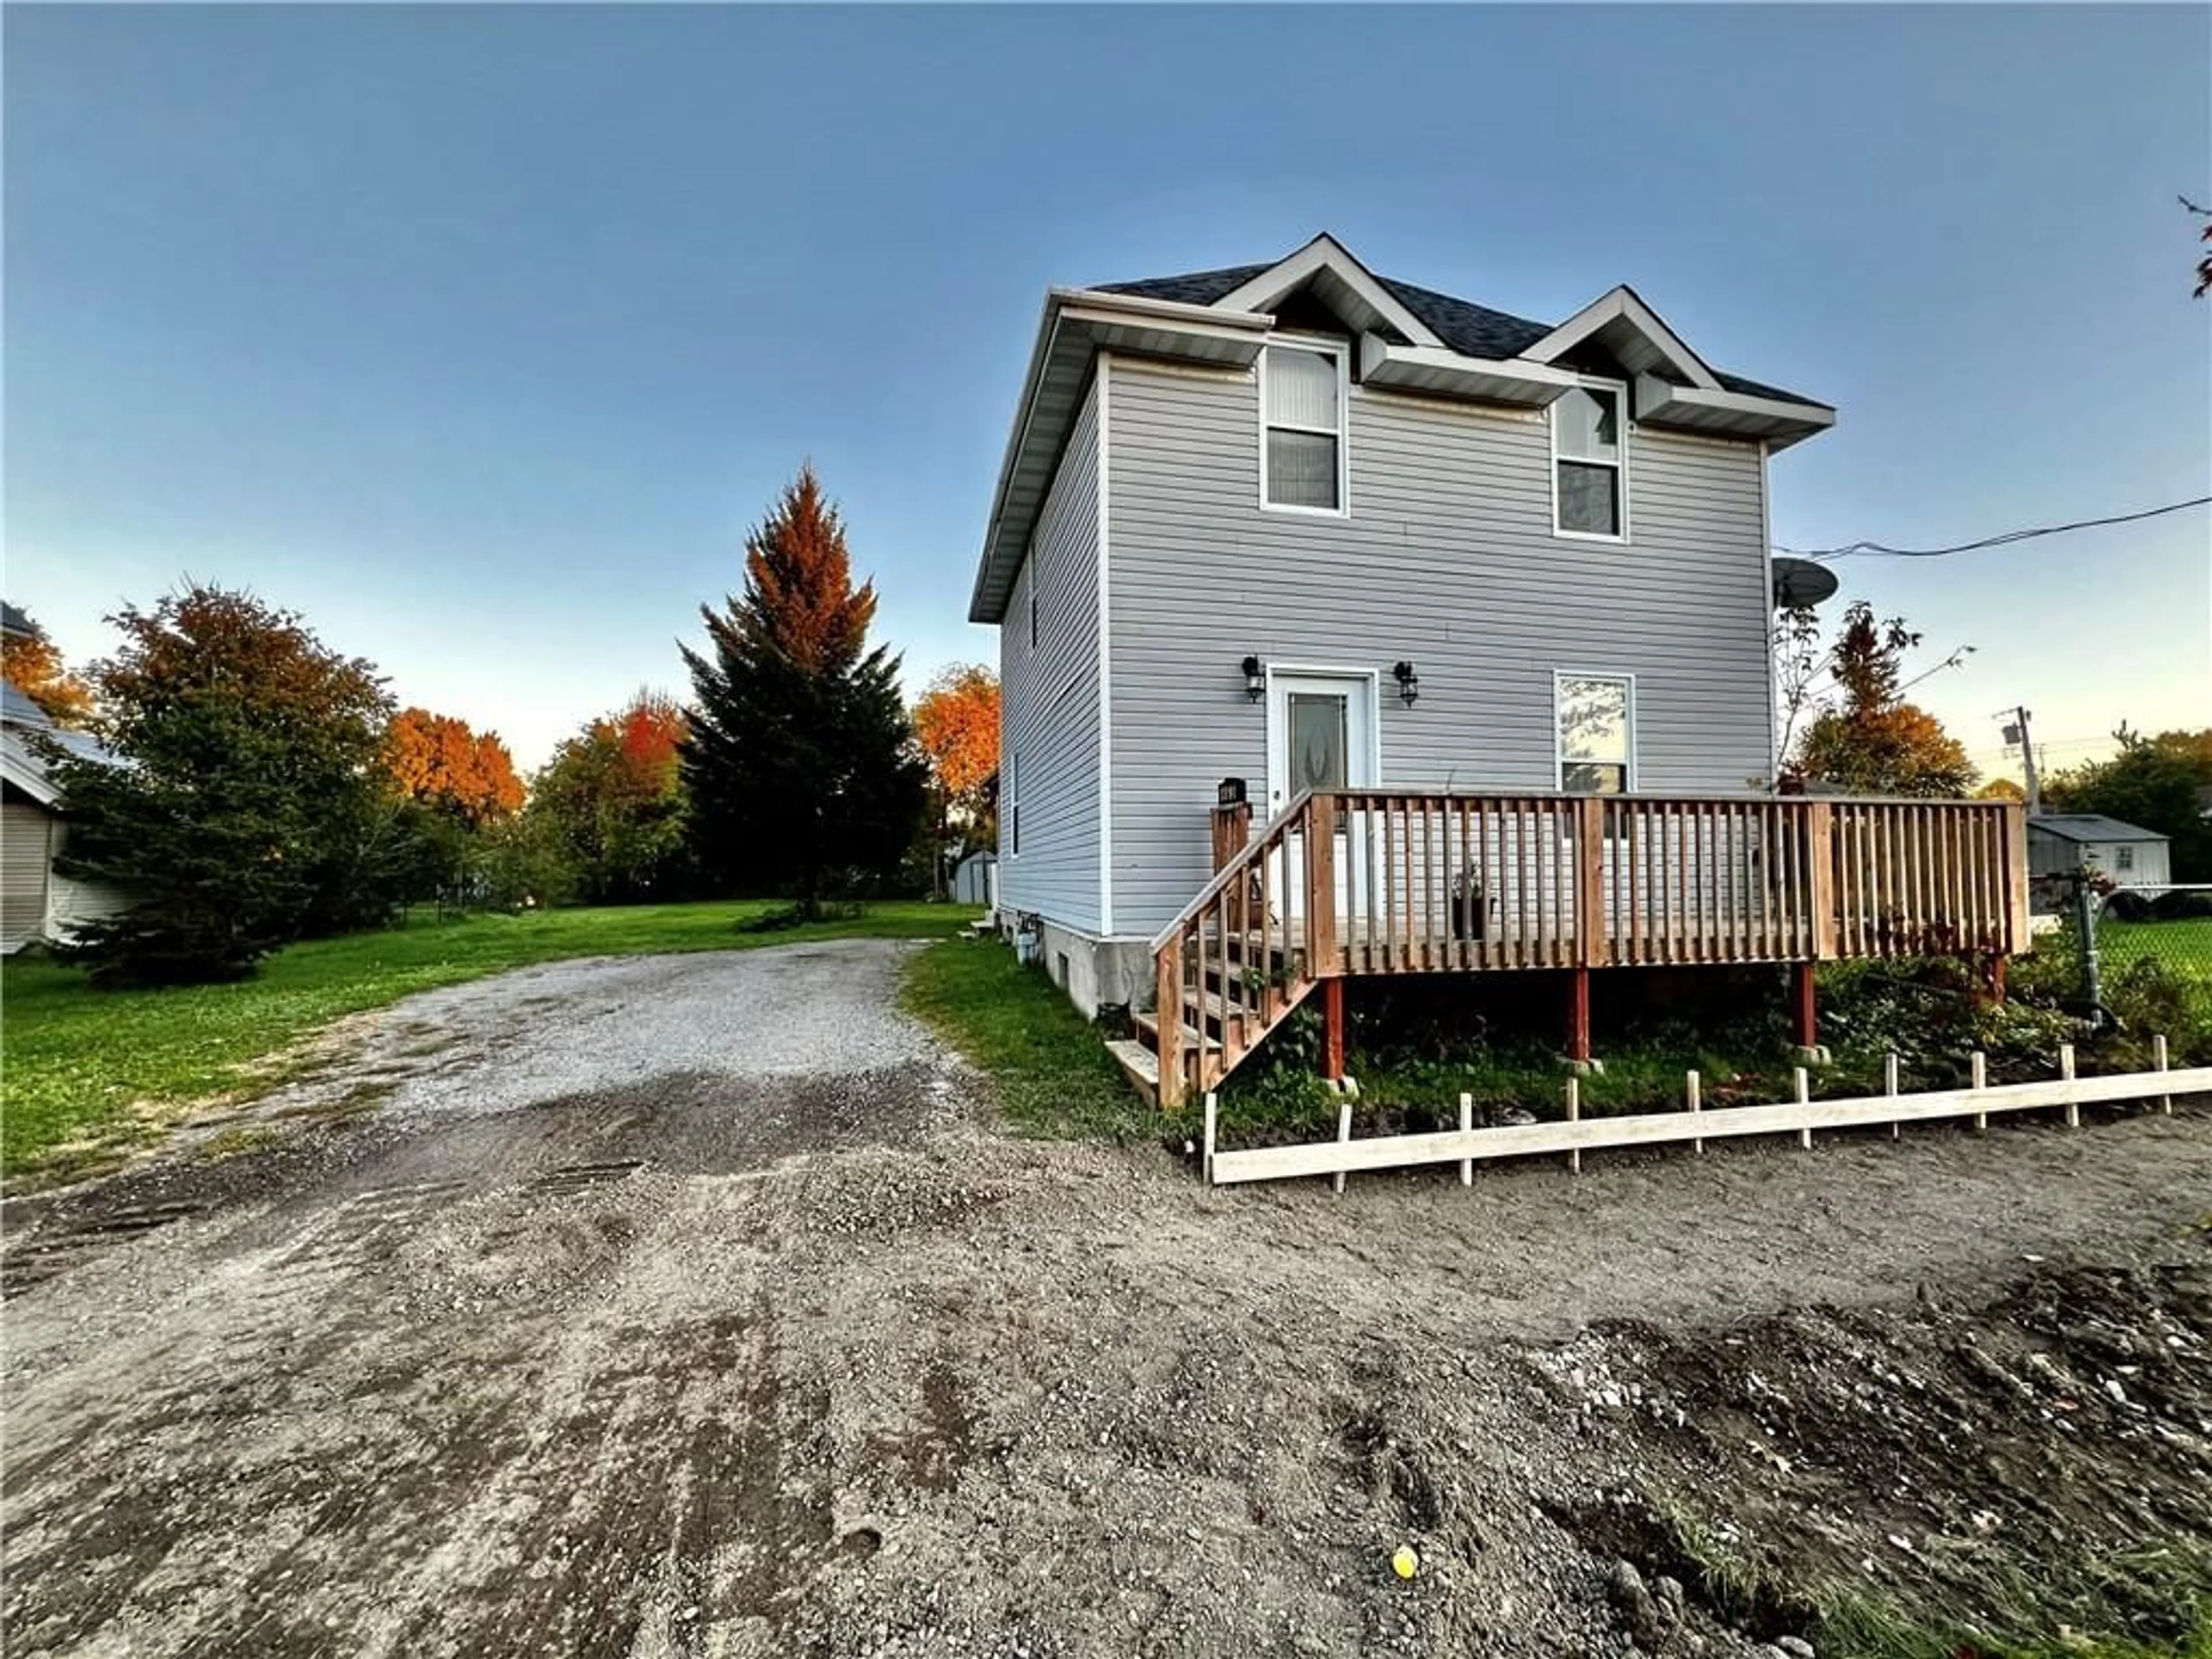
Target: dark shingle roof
x=1199 y=288
x=13 y=621
x=1465 y=327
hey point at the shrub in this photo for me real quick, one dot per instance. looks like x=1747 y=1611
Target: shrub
x=2124 y=906
x=1932 y=1014
x=2179 y=904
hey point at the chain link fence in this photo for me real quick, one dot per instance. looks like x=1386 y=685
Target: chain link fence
x=2137 y=934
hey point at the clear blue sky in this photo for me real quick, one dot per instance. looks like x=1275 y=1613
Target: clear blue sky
x=483 y=336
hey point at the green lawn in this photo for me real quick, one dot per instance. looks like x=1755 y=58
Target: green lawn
x=1054 y=1077
x=88 y=1072
x=2183 y=947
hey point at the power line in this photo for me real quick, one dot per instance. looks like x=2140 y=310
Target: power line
x=2008 y=538
x=1956 y=660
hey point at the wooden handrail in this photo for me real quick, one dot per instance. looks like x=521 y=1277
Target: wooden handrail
x=1277 y=826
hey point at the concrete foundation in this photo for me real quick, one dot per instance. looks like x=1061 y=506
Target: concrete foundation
x=1094 y=973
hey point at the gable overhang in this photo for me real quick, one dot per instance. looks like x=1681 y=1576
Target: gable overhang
x=1077 y=325
x=1447 y=374
x=1778 y=421
x=1340 y=282
x=1635 y=337
x=24 y=770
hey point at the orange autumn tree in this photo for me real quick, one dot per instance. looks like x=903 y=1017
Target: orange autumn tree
x=612 y=805
x=438 y=762
x=1873 y=742
x=955 y=722
x=33 y=666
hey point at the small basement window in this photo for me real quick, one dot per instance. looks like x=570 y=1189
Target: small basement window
x=1589 y=494
x=1302 y=446
x=1597 y=733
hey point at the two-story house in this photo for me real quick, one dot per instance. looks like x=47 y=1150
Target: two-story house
x=1439 y=575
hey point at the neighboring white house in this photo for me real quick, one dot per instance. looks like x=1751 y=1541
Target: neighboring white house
x=37 y=902
x=2059 y=843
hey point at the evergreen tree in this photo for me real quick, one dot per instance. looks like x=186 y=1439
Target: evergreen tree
x=245 y=802
x=803 y=775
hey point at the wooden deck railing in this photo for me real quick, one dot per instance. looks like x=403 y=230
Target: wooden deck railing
x=1464 y=882
x=1390 y=882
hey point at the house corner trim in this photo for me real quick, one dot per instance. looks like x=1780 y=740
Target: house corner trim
x=1105 y=380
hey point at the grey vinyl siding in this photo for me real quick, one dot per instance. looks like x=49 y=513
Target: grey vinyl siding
x=1049 y=701
x=1447 y=558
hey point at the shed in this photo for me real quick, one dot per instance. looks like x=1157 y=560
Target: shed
x=976 y=879
x=2059 y=843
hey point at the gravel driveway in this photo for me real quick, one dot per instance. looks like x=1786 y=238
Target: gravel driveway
x=692 y=1305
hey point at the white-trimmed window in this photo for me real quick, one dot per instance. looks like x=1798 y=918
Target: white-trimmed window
x=1590 y=483
x=1301 y=450
x=1597 y=732
x=2124 y=857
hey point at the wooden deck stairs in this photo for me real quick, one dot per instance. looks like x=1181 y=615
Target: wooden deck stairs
x=1265 y=983
x=1348 y=882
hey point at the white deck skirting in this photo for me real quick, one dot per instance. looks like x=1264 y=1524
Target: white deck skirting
x=1345 y=1156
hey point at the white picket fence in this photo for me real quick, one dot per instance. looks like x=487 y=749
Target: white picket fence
x=1467 y=1145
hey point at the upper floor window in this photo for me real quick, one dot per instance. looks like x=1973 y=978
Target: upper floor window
x=1589 y=494
x=1597 y=732
x=1302 y=449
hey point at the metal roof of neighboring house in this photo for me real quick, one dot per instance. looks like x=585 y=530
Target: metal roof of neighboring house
x=25 y=769
x=16 y=708
x=1460 y=324
x=2090 y=826
x=21 y=760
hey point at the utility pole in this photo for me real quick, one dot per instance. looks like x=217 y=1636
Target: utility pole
x=2016 y=732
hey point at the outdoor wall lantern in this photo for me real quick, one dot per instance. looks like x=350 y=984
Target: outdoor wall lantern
x=1256 y=681
x=1409 y=684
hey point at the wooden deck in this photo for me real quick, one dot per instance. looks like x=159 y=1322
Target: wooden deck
x=1363 y=882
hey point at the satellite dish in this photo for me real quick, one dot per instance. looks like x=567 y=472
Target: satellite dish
x=1801 y=582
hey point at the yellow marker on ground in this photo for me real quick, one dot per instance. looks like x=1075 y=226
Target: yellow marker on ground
x=1405 y=1563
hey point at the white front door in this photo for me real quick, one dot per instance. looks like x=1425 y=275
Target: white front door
x=1322 y=735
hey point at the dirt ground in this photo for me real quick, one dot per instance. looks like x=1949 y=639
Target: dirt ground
x=694 y=1306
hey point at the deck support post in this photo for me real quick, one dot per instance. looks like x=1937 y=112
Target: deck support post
x=1578 y=1021
x=1332 y=1029
x=1167 y=1004
x=1998 y=978
x=1804 y=1010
